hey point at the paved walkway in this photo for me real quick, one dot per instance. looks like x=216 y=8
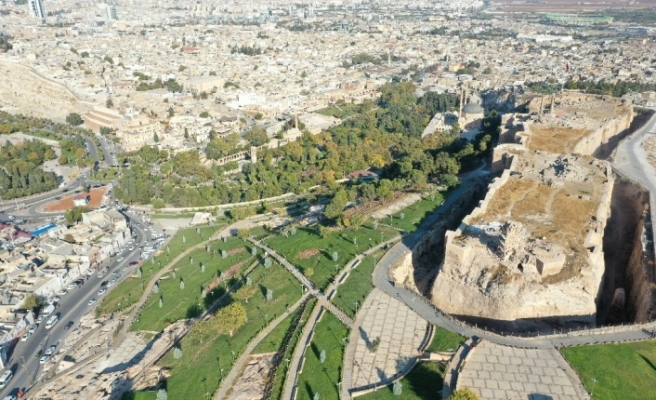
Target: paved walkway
x=241 y=362
x=401 y=332
x=499 y=372
x=397 y=206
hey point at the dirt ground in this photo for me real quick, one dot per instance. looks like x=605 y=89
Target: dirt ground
x=250 y=385
x=95 y=201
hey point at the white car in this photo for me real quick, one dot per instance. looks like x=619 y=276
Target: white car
x=51 y=350
x=62 y=293
x=91 y=302
x=44 y=359
x=102 y=291
x=33 y=328
x=120 y=259
x=40 y=319
x=25 y=337
x=56 y=299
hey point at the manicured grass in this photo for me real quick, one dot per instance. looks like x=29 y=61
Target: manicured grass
x=140 y=396
x=172 y=216
x=199 y=370
x=322 y=264
x=342 y=111
x=178 y=303
x=422 y=383
x=281 y=374
x=415 y=214
x=357 y=285
x=273 y=341
x=320 y=377
x=444 y=340
x=130 y=289
x=622 y=371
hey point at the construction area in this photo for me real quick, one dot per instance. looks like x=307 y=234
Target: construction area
x=531 y=255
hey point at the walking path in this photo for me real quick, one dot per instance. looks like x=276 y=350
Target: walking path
x=400 y=332
x=241 y=362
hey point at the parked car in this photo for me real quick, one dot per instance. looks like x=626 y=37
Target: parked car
x=44 y=359
x=26 y=336
x=91 y=302
x=102 y=291
x=51 y=350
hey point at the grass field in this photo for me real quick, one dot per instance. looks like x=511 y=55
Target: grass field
x=423 y=382
x=415 y=214
x=184 y=303
x=357 y=285
x=140 y=396
x=129 y=291
x=444 y=340
x=622 y=371
x=320 y=377
x=321 y=263
x=276 y=338
x=199 y=370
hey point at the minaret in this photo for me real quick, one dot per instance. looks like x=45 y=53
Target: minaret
x=462 y=95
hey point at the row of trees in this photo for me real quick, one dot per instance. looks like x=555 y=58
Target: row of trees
x=383 y=136
x=602 y=87
x=20 y=171
x=171 y=85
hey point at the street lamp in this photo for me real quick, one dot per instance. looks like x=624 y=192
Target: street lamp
x=357 y=303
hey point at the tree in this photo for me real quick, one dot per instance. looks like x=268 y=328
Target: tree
x=229 y=319
x=161 y=393
x=204 y=114
x=335 y=256
x=177 y=353
x=256 y=136
x=337 y=204
x=109 y=103
x=75 y=214
x=32 y=302
x=397 y=388
x=74 y=119
x=155 y=138
x=267 y=262
x=246 y=292
x=464 y=394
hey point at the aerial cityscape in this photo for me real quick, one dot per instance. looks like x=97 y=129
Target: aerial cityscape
x=323 y=200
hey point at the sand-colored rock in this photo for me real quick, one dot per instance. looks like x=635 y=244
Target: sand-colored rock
x=533 y=246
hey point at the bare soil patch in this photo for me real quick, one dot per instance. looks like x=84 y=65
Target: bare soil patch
x=95 y=201
x=305 y=254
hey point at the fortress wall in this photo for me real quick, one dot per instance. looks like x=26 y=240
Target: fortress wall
x=603 y=134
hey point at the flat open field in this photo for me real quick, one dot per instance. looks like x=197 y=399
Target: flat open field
x=95 y=201
x=621 y=371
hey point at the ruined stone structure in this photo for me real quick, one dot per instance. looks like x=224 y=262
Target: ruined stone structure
x=533 y=246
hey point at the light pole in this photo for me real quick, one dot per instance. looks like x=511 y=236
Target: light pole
x=356 y=307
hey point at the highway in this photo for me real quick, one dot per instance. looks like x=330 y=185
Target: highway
x=72 y=306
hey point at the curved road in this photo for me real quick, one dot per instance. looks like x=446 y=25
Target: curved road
x=631 y=159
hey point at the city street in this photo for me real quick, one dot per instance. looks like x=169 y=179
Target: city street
x=72 y=306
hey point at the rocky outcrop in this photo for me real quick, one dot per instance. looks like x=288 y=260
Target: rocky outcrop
x=533 y=249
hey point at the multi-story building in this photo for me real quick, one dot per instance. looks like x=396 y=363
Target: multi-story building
x=36 y=9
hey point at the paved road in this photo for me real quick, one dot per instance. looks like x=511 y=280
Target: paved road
x=72 y=307
x=423 y=307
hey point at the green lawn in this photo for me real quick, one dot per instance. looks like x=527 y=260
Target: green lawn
x=130 y=289
x=281 y=373
x=320 y=377
x=199 y=370
x=343 y=111
x=357 y=285
x=415 y=214
x=322 y=264
x=422 y=383
x=274 y=340
x=184 y=303
x=172 y=216
x=621 y=371
x=140 y=396
x=445 y=340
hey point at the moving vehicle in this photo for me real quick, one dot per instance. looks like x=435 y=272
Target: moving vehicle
x=5 y=378
x=25 y=337
x=91 y=302
x=69 y=325
x=52 y=321
x=44 y=359
x=51 y=350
